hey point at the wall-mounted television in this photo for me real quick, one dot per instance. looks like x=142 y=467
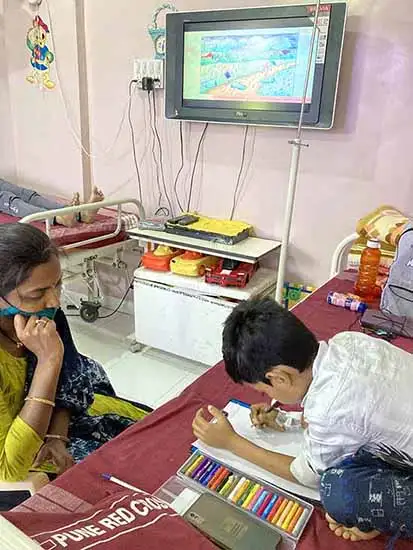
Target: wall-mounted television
x=249 y=66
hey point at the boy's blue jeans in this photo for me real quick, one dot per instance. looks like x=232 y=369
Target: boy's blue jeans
x=365 y=492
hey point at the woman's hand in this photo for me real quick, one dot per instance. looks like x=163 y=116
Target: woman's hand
x=40 y=337
x=219 y=433
x=55 y=452
x=263 y=416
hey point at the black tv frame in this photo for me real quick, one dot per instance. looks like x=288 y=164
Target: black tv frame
x=320 y=114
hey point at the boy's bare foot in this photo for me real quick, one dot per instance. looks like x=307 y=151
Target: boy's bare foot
x=96 y=196
x=350 y=533
x=70 y=219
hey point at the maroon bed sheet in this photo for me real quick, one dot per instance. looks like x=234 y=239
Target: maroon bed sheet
x=61 y=236
x=149 y=453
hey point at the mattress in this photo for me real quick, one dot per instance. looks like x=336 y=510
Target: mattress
x=103 y=225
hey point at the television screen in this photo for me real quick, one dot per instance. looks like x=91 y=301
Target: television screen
x=250 y=65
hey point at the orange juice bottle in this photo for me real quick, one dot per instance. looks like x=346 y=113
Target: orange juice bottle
x=366 y=286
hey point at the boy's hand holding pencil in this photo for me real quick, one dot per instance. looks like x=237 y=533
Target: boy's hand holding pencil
x=265 y=416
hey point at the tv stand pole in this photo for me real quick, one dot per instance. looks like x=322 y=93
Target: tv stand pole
x=296 y=144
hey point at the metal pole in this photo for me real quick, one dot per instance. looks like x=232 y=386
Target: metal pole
x=296 y=144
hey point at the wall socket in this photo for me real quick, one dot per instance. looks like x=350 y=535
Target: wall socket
x=152 y=68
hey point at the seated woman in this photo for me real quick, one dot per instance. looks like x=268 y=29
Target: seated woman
x=19 y=201
x=56 y=405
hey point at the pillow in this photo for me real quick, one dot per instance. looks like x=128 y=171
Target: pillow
x=386 y=224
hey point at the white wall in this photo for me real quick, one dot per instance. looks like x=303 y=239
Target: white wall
x=7 y=153
x=47 y=156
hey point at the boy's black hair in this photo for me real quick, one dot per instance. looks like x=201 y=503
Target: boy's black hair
x=259 y=335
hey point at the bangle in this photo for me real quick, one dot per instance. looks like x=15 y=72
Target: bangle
x=57 y=436
x=40 y=400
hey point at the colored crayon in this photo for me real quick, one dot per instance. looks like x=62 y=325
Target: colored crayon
x=256 y=497
x=285 y=513
x=252 y=494
x=223 y=482
x=300 y=523
x=206 y=473
x=199 y=470
x=220 y=476
x=275 y=509
x=241 y=491
x=246 y=493
x=202 y=468
x=259 y=502
x=264 y=504
x=236 y=489
x=193 y=466
x=296 y=517
x=280 y=511
x=211 y=474
x=270 y=506
x=226 y=491
x=290 y=516
x=193 y=459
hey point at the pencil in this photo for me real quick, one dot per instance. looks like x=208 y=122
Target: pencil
x=289 y=517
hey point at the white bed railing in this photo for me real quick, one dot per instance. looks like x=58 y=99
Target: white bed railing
x=339 y=254
x=49 y=215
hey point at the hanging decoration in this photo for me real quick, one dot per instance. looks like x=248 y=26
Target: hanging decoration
x=158 y=32
x=41 y=57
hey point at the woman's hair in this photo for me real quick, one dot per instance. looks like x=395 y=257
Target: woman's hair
x=22 y=248
x=259 y=335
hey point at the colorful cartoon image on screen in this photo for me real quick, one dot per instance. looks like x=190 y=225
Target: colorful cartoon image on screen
x=253 y=65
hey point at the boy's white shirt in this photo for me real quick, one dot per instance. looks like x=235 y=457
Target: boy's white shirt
x=361 y=395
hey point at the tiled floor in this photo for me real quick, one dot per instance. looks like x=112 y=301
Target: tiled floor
x=150 y=377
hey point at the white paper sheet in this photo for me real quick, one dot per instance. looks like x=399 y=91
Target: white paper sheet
x=288 y=443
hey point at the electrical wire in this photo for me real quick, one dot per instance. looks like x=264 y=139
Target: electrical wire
x=119 y=305
x=240 y=172
x=132 y=133
x=155 y=160
x=66 y=105
x=158 y=139
x=191 y=186
x=181 y=167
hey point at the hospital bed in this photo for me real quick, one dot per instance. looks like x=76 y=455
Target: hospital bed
x=85 y=246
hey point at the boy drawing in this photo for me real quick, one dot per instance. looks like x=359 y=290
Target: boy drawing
x=356 y=392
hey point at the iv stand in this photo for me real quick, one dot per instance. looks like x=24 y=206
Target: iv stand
x=296 y=144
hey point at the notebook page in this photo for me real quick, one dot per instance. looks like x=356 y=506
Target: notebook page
x=288 y=443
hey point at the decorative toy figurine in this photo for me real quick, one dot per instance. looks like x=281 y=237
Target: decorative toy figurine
x=158 y=33
x=41 y=56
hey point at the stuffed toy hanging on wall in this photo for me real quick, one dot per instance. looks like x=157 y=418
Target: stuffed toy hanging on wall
x=41 y=57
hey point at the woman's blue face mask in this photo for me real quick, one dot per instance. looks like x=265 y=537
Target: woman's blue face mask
x=11 y=311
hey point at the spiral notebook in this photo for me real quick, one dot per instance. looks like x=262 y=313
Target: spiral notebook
x=288 y=443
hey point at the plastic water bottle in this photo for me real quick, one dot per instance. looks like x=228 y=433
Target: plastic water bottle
x=366 y=286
